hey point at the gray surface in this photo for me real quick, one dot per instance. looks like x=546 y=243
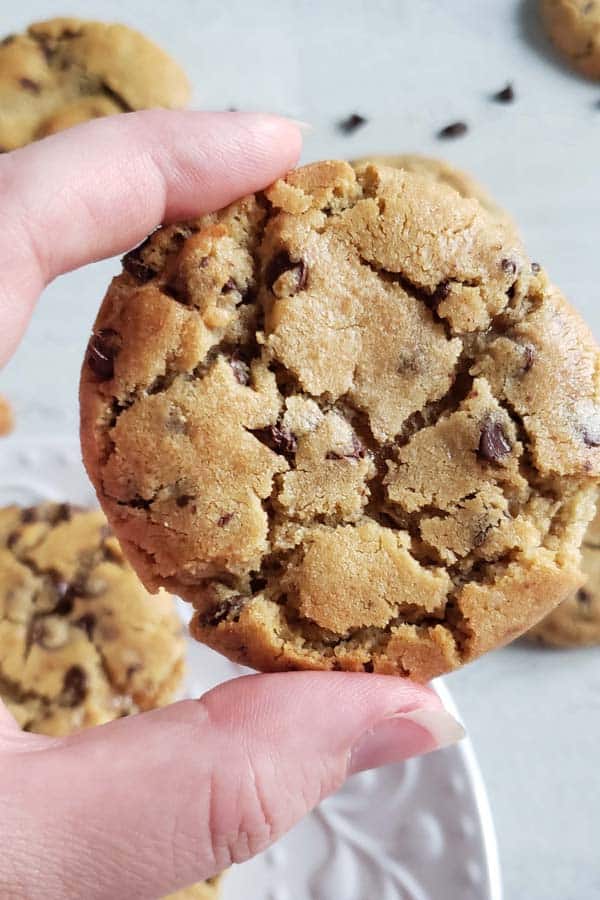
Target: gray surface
x=411 y=67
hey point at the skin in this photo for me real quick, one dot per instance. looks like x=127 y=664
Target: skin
x=142 y=806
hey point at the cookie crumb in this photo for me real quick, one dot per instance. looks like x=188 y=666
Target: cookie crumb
x=352 y=123
x=454 y=130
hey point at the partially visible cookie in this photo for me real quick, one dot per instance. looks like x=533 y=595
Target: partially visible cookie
x=576 y=622
x=349 y=420
x=574 y=28
x=204 y=890
x=7 y=419
x=65 y=71
x=81 y=641
x=445 y=173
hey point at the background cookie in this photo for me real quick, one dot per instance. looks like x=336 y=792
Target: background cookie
x=65 y=71
x=574 y=28
x=440 y=170
x=81 y=641
x=7 y=419
x=349 y=421
x=576 y=622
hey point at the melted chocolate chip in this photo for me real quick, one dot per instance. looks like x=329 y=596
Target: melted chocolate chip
x=183 y=500
x=229 y=286
x=281 y=263
x=134 y=265
x=224 y=520
x=280 y=440
x=103 y=347
x=509 y=266
x=32 y=86
x=454 y=130
x=74 y=687
x=584 y=597
x=368 y=666
x=86 y=622
x=493 y=443
x=257 y=583
x=351 y=123
x=64 y=607
x=506 y=95
x=229 y=609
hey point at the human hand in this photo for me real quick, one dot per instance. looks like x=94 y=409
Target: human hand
x=142 y=806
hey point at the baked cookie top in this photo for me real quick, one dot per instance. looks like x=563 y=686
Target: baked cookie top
x=349 y=420
x=574 y=28
x=444 y=172
x=81 y=641
x=65 y=71
x=576 y=622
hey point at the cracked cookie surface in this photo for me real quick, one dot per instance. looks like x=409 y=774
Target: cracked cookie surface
x=576 y=622
x=65 y=71
x=81 y=641
x=349 y=420
x=574 y=28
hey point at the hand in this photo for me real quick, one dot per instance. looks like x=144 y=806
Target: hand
x=142 y=806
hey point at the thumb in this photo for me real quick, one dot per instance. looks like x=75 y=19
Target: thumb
x=142 y=806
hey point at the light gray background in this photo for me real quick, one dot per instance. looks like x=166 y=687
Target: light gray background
x=411 y=66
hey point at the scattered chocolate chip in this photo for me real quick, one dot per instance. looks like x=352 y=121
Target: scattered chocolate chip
x=591 y=437
x=229 y=609
x=506 y=95
x=32 y=86
x=368 y=666
x=584 y=597
x=351 y=123
x=454 y=130
x=241 y=370
x=87 y=622
x=280 y=440
x=509 y=266
x=493 y=443
x=183 y=500
x=74 y=687
x=529 y=357
x=103 y=347
x=134 y=265
x=535 y=268
x=224 y=520
x=281 y=263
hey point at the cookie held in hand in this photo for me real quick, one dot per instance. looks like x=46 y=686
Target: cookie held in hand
x=349 y=420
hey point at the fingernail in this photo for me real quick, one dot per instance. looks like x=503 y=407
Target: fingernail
x=304 y=127
x=401 y=736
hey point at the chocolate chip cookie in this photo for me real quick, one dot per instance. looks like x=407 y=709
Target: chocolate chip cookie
x=81 y=642
x=576 y=622
x=204 y=890
x=66 y=71
x=349 y=420
x=442 y=171
x=574 y=28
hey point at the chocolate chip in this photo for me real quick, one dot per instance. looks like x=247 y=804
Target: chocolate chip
x=280 y=440
x=134 y=265
x=506 y=95
x=229 y=609
x=183 y=500
x=74 y=687
x=229 y=286
x=64 y=513
x=241 y=370
x=493 y=443
x=351 y=123
x=87 y=622
x=509 y=266
x=103 y=347
x=12 y=539
x=224 y=520
x=441 y=293
x=584 y=597
x=535 y=268
x=29 y=515
x=591 y=437
x=281 y=263
x=454 y=130
x=32 y=86
x=357 y=452
x=368 y=666
x=529 y=357
x=257 y=583
x=64 y=607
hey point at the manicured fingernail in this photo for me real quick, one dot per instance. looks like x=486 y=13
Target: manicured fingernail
x=401 y=736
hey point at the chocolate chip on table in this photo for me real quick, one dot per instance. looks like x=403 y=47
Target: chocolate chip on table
x=229 y=608
x=32 y=86
x=281 y=263
x=493 y=443
x=103 y=347
x=454 y=130
x=351 y=123
x=506 y=95
x=74 y=687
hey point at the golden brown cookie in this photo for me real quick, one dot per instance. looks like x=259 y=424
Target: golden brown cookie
x=81 y=641
x=65 y=71
x=7 y=419
x=348 y=420
x=574 y=28
x=204 y=890
x=576 y=622
x=442 y=171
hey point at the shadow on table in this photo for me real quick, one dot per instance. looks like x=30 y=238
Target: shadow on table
x=532 y=31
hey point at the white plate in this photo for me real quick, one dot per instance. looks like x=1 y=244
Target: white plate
x=417 y=831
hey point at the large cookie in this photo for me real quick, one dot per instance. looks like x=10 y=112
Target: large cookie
x=576 y=622
x=81 y=641
x=349 y=421
x=574 y=28
x=65 y=71
x=444 y=172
